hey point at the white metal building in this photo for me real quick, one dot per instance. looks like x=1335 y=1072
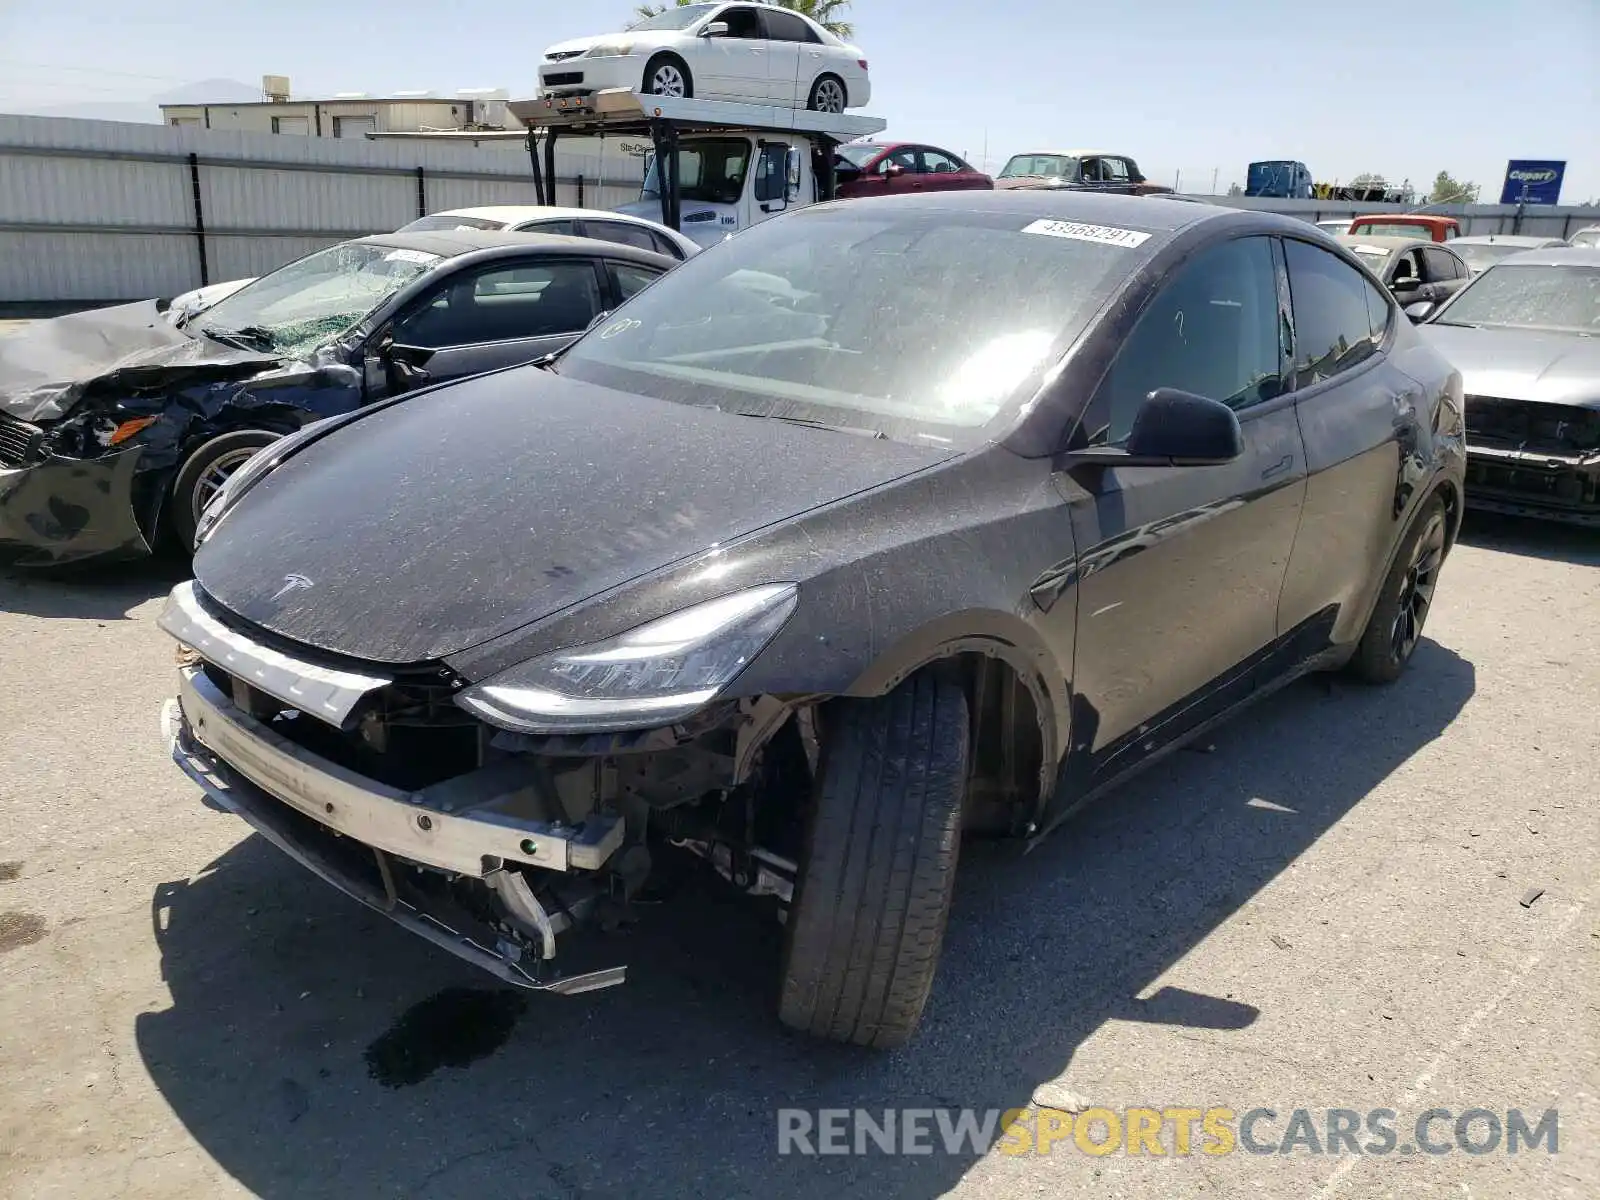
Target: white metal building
x=348 y=114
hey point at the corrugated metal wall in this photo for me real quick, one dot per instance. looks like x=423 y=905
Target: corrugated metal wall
x=103 y=210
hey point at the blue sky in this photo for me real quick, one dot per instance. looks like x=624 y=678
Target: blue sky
x=1197 y=88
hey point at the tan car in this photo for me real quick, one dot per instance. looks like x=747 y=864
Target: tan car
x=1078 y=170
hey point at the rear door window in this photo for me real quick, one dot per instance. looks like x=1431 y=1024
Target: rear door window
x=1334 y=314
x=786 y=27
x=620 y=232
x=561 y=227
x=631 y=278
x=505 y=302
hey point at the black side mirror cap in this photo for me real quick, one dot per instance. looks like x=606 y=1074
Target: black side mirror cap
x=1171 y=429
x=1419 y=311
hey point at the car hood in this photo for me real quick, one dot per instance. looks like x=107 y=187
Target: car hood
x=1522 y=364
x=46 y=369
x=644 y=38
x=464 y=513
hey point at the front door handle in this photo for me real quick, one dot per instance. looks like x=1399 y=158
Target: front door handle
x=1279 y=467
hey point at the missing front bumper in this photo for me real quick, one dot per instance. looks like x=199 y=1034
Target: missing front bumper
x=356 y=865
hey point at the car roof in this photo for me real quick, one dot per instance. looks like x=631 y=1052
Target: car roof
x=1069 y=153
x=1154 y=214
x=1506 y=239
x=1387 y=242
x=1556 y=256
x=1407 y=218
x=453 y=243
x=513 y=213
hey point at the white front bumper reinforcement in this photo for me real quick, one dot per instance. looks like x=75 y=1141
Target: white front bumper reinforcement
x=483 y=825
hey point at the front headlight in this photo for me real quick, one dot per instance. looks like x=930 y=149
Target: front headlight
x=609 y=50
x=656 y=674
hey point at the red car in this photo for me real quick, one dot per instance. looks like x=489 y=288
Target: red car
x=884 y=168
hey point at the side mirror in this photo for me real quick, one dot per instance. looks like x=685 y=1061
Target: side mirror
x=1408 y=284
x=714 y=29
x=893 y=169
x=407 y=366
x=1420 y=311
x=1171 y=429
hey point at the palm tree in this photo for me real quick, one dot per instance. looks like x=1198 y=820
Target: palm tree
x=823 y=12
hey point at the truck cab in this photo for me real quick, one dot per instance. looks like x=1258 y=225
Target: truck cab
x=716 y=166
x=1280 y=178
x=728 y=182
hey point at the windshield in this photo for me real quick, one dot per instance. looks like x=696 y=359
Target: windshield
x=710 y=170
x=1559 y=299
x=299 y=307
x=440 y=221
x=1046 y=166
x=1405 y=229
x=1485 y=254
x=1372 y=256
x=675 y=18
x=925 y=326
x=860 y=154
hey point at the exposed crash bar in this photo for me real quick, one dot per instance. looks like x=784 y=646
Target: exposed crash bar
x=467 y=825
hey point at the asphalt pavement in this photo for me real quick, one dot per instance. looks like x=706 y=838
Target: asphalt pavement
x=1327 y=907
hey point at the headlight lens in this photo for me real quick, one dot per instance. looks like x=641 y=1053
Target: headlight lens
x=656 y=674
x=609 y=50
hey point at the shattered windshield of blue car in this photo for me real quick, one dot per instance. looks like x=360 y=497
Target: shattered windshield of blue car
x=314 y=300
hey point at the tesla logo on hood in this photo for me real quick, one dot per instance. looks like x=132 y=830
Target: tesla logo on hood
x=292 y=583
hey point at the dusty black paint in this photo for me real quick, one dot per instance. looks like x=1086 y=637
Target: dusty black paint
x=455 y=1028
x=563 y=513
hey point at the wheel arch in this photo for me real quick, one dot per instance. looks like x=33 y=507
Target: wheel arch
x=1017 y=697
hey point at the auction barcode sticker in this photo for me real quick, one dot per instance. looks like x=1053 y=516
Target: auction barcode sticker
x=1107 y=235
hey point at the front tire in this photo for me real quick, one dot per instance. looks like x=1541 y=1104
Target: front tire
x=206 y=470
x=668 y=75
x=827 y=95
x=1395 y=628
x=878 y=864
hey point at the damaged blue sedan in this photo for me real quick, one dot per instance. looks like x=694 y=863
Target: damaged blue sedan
x=117 y=426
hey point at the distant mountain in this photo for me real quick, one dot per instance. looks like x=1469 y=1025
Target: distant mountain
x=141 y=112
x=148 y=110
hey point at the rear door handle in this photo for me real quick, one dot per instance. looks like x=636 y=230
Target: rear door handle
x=1279 y=467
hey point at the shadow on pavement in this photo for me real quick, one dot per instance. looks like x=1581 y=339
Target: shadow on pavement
x=297 y=1049
x=99 y=594
x=1532 y=538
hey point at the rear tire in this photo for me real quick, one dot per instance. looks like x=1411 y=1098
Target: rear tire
x=827 y=95
x=205 y=470
x=668 y=75
x=878 y=864
x=1395 y=628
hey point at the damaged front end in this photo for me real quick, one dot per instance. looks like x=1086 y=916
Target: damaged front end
x=99 y=409
x=490 y=843
x=1534 y=458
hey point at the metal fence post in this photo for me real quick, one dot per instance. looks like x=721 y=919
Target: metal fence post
x=199 y=218
x=422 y=193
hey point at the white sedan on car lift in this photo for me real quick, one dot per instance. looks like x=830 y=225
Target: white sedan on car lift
x=517 y=218
x=746 y=52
